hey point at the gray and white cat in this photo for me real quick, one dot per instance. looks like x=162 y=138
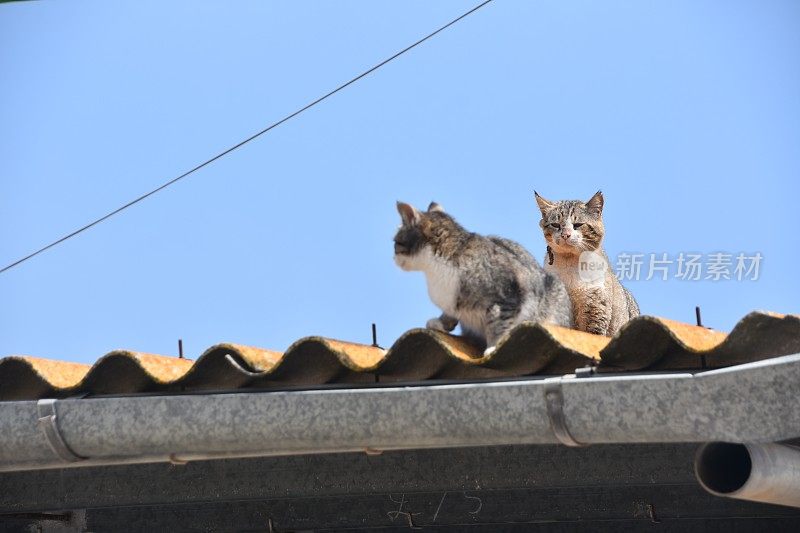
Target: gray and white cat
x=601 y=304
x=488 y=284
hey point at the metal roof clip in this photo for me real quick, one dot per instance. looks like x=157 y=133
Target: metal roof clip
x=554 y=402
x=48 y=423
x=585 y=371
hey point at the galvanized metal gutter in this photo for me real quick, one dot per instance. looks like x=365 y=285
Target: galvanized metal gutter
x=756 y=402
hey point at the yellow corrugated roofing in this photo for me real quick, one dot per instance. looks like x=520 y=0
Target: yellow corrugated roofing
x=645 y=343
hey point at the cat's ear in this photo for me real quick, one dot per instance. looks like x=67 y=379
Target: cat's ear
x=595 y=204
x=408 y=213
x=544 y=205
x=434 y=207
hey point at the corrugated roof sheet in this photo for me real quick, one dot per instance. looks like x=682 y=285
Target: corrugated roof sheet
x=645 y=343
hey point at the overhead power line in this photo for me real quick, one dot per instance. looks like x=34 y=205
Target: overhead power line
x=242 y=143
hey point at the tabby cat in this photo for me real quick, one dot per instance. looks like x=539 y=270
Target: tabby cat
x=574 y=234
x=488 y=284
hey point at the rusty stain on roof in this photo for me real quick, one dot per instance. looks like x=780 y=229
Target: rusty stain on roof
x=645 y=343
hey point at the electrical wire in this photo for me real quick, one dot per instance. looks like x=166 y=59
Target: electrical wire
x=242 y=143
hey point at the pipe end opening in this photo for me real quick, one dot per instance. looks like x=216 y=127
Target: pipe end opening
x=723 y=467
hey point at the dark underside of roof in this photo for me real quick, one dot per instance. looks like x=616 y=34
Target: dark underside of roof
x=497 y=488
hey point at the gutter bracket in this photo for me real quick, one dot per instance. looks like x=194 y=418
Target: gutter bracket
x=48 y=423
x=554 y=402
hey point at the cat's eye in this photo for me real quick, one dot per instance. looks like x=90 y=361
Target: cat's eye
x=577 y=225
x=555 y=226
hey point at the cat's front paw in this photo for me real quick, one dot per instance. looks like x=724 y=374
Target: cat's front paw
x=436 y=324
x=489 y=351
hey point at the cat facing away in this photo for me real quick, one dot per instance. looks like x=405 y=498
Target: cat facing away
x=601 y=304
x=487 y=284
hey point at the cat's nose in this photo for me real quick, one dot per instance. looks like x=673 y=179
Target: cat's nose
x=566 y=236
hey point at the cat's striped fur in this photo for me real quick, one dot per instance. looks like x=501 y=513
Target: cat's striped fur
x=571 y=227
x=488 y=284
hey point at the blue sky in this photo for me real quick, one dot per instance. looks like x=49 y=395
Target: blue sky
x=686 y=114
